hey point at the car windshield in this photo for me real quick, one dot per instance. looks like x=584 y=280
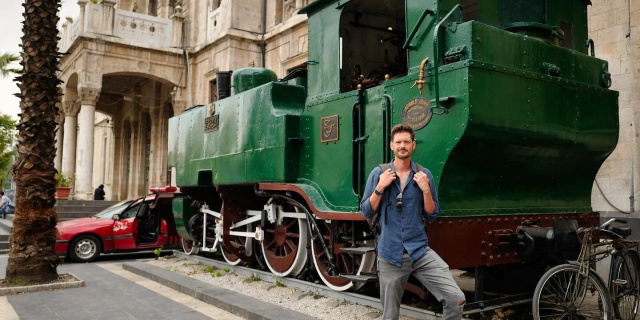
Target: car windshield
x=114 y=209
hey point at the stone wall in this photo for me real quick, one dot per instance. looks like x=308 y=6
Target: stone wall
x=613 y=27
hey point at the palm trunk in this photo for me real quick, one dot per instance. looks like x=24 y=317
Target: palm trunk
x=32 y=257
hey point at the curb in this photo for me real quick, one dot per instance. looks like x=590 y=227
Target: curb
x=42 y=287
x=230 y=301
x=314 y=288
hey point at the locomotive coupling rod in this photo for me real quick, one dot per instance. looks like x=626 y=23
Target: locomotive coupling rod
x=420 y=82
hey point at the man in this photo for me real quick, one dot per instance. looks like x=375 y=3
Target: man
x=98 y=194
x=5 y=205
x=404 y=196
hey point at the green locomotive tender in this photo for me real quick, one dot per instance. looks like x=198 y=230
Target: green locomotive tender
x=512 y=112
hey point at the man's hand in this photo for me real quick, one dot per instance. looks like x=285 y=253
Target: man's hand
x=386 y=178
x=423 y=181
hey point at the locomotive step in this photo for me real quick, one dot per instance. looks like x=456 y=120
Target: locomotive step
x=363 y=238
x=359 y=278
x=357 y=250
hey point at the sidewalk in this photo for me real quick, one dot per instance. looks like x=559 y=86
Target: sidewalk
x=113 y=293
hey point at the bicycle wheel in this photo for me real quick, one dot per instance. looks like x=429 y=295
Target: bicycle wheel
x=625 y=286
x=563 y=293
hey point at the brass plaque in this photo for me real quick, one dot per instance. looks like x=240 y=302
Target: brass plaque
x=329 y=127
x=417 y=113
x=211 y=123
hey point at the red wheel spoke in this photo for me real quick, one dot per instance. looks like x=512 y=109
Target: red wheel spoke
x=268 y=246
x=292 y=245
x=293 y=222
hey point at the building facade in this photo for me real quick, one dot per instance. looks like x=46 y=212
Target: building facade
x=130 y=65
x=613 y=26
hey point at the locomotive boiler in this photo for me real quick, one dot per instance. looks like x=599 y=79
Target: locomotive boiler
x=512 y=112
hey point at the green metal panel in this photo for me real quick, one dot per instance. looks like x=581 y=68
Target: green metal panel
x=181 y=214
x=535 y=147
x=522 y=11
x=252 y=142
x=328 y=166
x=324 y=51
x=422 y=41
x=249 y=78
x=511 y=51
x=575 y=13
x=489 y=12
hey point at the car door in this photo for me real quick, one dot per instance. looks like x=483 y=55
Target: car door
x=125 y=229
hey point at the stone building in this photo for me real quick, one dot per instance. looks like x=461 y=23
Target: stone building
x=132 y=64
x=613 y=26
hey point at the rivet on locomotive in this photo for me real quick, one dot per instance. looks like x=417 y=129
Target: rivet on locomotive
x=513 y=116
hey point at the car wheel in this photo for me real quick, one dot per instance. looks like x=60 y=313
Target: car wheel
x=190 y=247
x=85 y=248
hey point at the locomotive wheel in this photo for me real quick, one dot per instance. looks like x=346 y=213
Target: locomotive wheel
x=238 y=242
x=285 y=246
x=343 y=261
x=190 y=247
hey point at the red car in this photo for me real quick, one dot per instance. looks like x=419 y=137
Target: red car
x=131 y=225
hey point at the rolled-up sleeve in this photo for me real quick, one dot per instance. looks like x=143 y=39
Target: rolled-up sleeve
x=434 y=196
x=372 y=182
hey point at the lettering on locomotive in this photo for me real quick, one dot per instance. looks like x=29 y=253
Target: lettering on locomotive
x=417 y=113
x=211 y=123
x=329 y=129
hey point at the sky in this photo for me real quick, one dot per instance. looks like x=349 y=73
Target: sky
x=11 y=31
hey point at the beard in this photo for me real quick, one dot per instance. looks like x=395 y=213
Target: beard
x=402 y=156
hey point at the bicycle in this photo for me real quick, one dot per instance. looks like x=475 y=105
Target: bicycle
x=574 y=290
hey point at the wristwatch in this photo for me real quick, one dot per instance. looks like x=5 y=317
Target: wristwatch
x=377 y=192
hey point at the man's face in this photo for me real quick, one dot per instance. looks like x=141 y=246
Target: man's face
x=402 y=145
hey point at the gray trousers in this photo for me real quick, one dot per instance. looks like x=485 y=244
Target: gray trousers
x=431 y=271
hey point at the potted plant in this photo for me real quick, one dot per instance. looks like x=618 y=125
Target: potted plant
x=63 y=188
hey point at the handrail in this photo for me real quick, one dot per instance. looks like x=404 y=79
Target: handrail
x=415 y=29
x=436 y=50
x=387 y=129
x=590 y=43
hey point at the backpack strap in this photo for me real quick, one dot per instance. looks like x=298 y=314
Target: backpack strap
x=374 y=222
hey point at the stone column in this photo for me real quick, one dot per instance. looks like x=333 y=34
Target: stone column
x=178 y=18
x=84 y=150
x=81 y=17
x=135 y=157
x=108 y=14
x=158 y=159
x=59 y=134
x=71 y=109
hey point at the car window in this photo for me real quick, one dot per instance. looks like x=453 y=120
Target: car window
x=114 y=209
x=131 y=212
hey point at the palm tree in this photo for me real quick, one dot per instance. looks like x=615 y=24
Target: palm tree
x=5 y=60
x=32 y=258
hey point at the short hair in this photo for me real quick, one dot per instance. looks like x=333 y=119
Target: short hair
x=101 y=186
x=402 y=128
x=2 y=193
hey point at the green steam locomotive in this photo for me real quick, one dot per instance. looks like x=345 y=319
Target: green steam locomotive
x=512 y=112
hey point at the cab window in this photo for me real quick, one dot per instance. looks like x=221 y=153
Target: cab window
x=372 y=33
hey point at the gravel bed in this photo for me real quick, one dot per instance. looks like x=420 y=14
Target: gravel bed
x=311 y=304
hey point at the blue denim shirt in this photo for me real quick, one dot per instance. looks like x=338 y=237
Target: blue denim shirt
x=402 y=229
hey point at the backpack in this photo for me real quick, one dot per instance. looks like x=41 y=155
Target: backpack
x=374 y=222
